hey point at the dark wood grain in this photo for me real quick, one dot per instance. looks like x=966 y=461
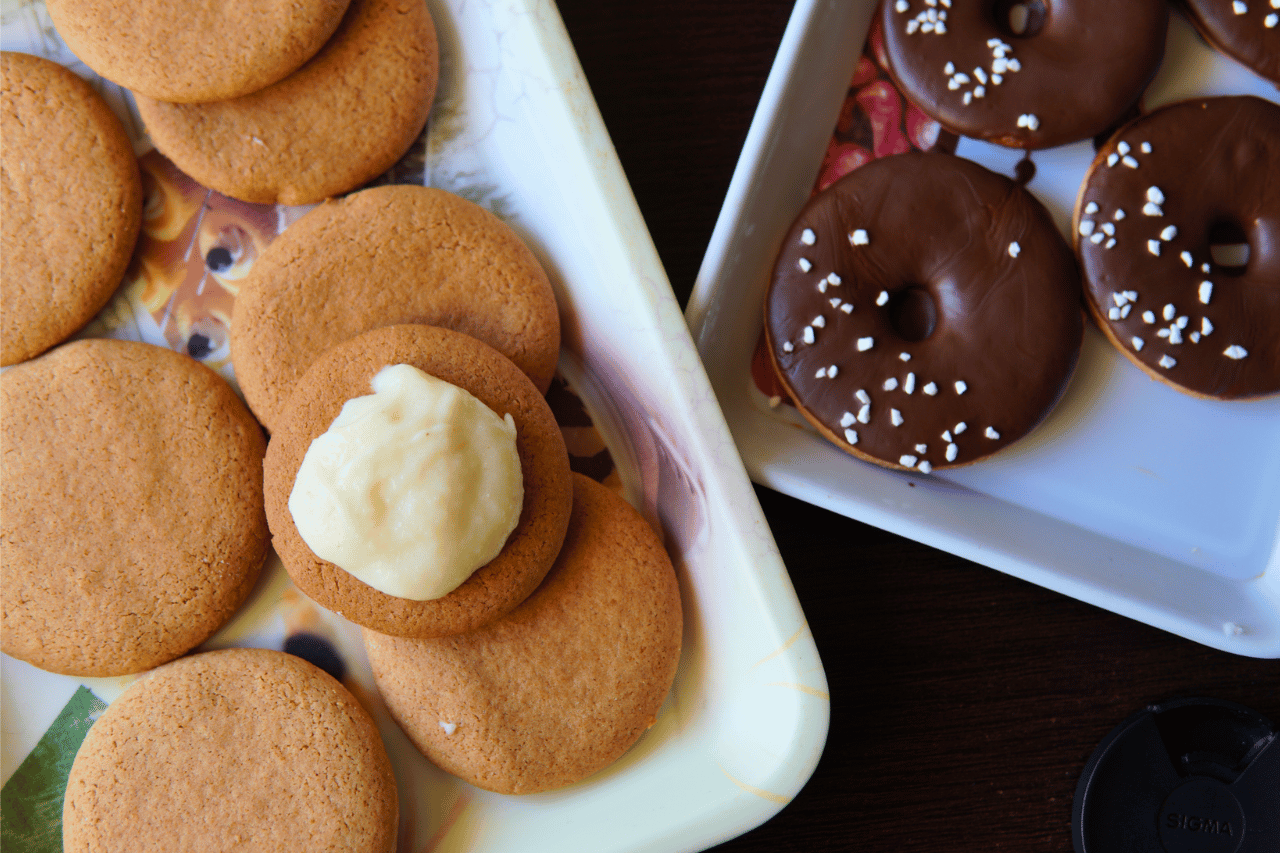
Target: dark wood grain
x=964 y=702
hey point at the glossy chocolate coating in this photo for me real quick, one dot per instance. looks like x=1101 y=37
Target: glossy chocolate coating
x=1211 y=161
x=1244 y=36
x=1089 y=62
x=939 y=230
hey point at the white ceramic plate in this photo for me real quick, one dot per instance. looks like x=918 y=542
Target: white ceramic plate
x=515 y=127
x=1131 y=495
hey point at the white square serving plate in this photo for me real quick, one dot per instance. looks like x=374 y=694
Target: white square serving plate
x=514 y=127
x=1131 y=495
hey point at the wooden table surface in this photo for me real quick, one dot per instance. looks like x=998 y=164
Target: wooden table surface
x=964 y=702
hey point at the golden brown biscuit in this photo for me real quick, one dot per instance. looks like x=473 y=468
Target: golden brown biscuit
x=334 y=124
x=564 y=684
x=130 y=507
x=241 y=749
x=344 y=372
x=185 y=50
x=387 y=255
x=70 y=207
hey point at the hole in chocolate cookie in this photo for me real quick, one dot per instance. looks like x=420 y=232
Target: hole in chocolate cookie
x=1020 y=18
x=1229 y=247
x=912 y=313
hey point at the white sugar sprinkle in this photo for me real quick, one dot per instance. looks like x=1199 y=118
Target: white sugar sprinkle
x=1113 y=313
x=922 y=448
x=890 y=383
x=980 y=74
x=895 y=417
x=1153 y=246
x=808 y=237
x=924 y=467
x=1169 y=311
x=960 y=427
x=1091 y=207
x=946 y=435
x=1148 y=317
x=787 y=347
x=883 y=298
x=1110 y=243
x=1163 y=333
x=1137 y=342
x=822 y=286
x=961 y=387
x=952 y=452
x=1175 y=335
x=909 y=384
x=1112 y=159
x=1206 y=291
x=847 y=419
x=1167 y=361
x=862 y=396
x=851 y=436
x=1118 y=215
x=1271 y=20
x=864 y=414
x=835 y=279
x=1146 y=147
x=1204 y=268
x=1123 y=147
x=832 y=371
x=1169 y=233
x=1027 y=120
x=1014 y=249
x=1187 y=259
x=847 y=308
x=902 y=5
x=835 y=301
x=931 y=389
x=1124 y=309
x=859 y=237
x=1130 y=162
x=991 y=433
x=1097 y=237
x=1152 y=209
x=968 y=98
x=950 y=67
x=821 y=374
x=1235 y=351
x=865 y=344
x=1182 y=321
x=1086 y=227
x=804 y=265
x=1155 y=194
x=809 y=335
x=1206 y=328
x=1195 y=337
x=904 y=356
x=819 y=322
x=449 y=728
x=906 y=460
x=1239 y=7
x=1108 y=228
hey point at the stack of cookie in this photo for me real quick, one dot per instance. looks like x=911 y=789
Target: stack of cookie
x=540 y=666
x=287 y=102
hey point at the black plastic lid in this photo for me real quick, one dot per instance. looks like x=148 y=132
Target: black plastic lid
x=1185 y=776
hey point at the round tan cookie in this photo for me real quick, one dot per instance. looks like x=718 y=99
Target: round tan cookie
x=70 y=208
x=345 y=372
x=565 y=683
x=334 y=124
x=130 y=508
x=241 y=749
x=387 y=255
x=194 y=50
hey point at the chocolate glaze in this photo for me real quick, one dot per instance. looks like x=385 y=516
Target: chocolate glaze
x=1244 y=37
x=1214 y=162
x=939 y=230
x=1089 y=62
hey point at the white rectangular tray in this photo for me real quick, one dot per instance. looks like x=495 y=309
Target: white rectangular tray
x=515 y=127
x=1130 y=495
